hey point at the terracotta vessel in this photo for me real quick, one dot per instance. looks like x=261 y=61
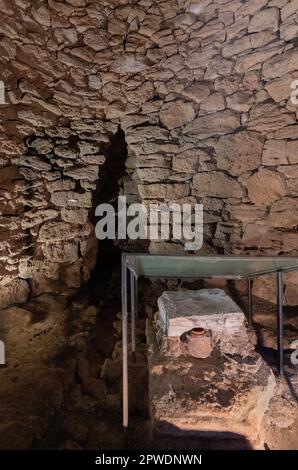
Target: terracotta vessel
x=198 y=343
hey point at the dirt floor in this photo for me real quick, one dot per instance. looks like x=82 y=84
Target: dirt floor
x=61 y=386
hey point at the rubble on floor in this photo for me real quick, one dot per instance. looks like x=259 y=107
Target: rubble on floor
x=61 y=385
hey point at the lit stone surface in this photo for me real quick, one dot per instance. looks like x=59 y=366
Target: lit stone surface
x=225 y=395
x=221 y=397
x=207 y=308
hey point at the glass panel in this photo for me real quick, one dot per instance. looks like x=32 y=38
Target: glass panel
x=206 y=266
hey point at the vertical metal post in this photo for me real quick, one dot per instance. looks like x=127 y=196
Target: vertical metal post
x=249 y=295
x=124 y=341
x=133 y=312
x=279 y=289
x=136 y=298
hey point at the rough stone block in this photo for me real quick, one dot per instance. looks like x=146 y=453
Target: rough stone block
x=211 y=309
x=15 y=292
x=221 y=397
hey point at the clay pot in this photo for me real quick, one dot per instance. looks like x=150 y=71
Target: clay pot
x=198 y=343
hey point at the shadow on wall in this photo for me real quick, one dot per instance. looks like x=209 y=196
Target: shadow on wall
x=107 y=191
x=194 y=439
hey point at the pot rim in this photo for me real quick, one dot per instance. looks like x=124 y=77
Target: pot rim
x=198 y=331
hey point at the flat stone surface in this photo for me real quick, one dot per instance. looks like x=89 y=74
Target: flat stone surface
x=207 y=308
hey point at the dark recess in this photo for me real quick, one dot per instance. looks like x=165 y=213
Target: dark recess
x=107 y=191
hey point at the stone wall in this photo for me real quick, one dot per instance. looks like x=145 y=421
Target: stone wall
x=201 y=90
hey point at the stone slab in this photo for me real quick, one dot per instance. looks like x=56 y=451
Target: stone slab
x=213 y=309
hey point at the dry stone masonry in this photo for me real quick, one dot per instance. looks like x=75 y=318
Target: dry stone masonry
x=201 y=89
